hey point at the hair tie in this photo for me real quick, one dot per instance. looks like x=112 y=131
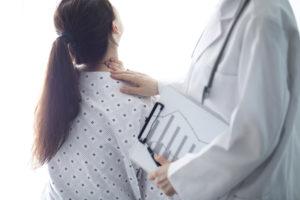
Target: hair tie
x=67 y=37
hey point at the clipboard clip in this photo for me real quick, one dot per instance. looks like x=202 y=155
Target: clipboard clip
x=148 y=126
x=150 y=120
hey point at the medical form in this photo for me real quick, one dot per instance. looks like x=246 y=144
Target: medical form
x=177 y=126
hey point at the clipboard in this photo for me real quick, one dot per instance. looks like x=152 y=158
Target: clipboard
x=174 y=129
x=142 y=153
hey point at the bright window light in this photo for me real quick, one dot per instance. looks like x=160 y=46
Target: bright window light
x=158 y=40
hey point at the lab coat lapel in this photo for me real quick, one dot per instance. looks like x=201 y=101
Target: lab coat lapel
x=216 y=28
x=211 y=43
x=212 y=32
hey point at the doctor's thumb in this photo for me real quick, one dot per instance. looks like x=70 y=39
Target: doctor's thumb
x=161 y=160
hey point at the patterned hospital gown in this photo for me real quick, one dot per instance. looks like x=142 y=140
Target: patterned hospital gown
x=93 y=163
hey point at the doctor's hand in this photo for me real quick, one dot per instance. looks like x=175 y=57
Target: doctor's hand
x=139 y=84
x=160 y=176
x=114 y=64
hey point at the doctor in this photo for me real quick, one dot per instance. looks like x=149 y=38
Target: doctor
x=255 y=87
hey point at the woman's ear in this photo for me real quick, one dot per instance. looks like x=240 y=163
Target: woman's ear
x=115 y=28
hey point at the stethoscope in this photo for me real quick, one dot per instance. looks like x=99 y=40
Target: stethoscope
x=208 y=86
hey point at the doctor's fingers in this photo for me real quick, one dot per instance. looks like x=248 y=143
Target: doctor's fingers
x=161 y=181
x=115 y=68
x=114 y=60
x=126 y=72
x=162 y=184
x=114 y=64
x=131 y=90
x=158 y=175
x=168 y=189
x=135 y=72
x=161 y=159
x=128 y=77
x=153 y=175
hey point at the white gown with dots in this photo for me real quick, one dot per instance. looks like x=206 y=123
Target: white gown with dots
x=93 y=163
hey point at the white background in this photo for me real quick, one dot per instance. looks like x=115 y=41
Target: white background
x=159 y=38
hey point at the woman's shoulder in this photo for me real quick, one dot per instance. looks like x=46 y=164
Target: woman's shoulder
x=100 y=87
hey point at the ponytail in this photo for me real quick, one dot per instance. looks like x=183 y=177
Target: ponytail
x=58 y=105
x=85 y=27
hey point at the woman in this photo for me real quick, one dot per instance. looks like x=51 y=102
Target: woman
x=84 y=125
x=246 y=68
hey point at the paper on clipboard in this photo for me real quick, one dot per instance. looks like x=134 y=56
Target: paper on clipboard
x=177 y=126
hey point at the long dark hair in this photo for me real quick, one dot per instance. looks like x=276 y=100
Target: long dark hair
x=84 y=28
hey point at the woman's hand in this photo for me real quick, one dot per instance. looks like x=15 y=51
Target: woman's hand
x=160 y=176
x=139 y=84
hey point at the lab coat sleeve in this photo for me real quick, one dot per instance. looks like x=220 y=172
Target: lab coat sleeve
x=256 y=122
x=181 y=85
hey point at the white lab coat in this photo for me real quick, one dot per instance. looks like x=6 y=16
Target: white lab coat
x=256 y=90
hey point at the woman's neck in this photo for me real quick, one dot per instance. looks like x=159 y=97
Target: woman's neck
x=112 y=52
